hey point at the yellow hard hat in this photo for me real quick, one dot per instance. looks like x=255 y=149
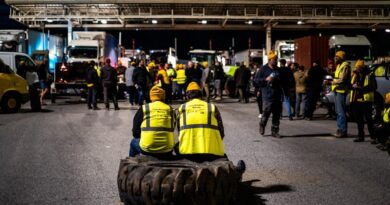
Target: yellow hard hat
x=387 y=98
x=157 y=93
x=271 y=55
x=151 y=65
x=193 y=86
x=340 y=54
x=359 y=64
x=205 y=64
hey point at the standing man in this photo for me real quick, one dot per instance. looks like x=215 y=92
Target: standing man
x=340 y=87
x=164 y=82
x=315 y=78
x=219 y=76
x=271 y=88
x=300 y=89
x=287 y=85
x=256 y=83
x=206 y=78
x=361 y=97
x=242 y=77
x=153 y=127
x=131 y=90
x=109 y=81
x=141 y=78
x=92 y=80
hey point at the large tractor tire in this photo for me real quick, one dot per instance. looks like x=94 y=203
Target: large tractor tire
x=144 y=180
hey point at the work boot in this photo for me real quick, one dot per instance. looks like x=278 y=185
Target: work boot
x=96 y=108
x=261 y=130
x=117 y=108
x=107 y=106
x=358 y=140
x=339 y=134
x=276 y=135
x=241 y=167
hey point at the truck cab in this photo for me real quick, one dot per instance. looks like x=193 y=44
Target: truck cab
x=355 y=47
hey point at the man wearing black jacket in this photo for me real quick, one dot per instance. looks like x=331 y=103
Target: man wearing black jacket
x=271 y=89
x=92 y=80
x=315 y=77
x=140 y=79
x=109 y=81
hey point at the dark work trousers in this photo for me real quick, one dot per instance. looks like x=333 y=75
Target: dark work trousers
x=35 y=101
x=361 y=111
x=274 y=107
x=243 y=92
x=382 y=133
x=92 y=94
x=181 y=88
x=259 y=100
x=110 y=91
x=311 y=102
x=133 y=94
x=143 y=94
x=168 y=92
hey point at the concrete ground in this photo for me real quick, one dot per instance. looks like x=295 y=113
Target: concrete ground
x=70 y=155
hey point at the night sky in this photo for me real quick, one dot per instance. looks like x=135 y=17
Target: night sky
x=221 y=40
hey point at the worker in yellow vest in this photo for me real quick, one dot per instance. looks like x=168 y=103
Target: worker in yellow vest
x=92 y=80
x=361 y=98
x=201 y=129
x=382 y=130
x=153 y=127
x=340 y=86
x=181 y=79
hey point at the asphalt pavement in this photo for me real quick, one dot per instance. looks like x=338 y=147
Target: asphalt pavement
x=70 y=155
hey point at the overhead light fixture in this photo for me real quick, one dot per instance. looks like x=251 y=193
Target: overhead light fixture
x=373 y=29
x=387 y=30
x=49 y=20
x=204 y=21
x=95 y=21
x=154 y=21
x=300 y=22
x=103 y=21
x=250 y=22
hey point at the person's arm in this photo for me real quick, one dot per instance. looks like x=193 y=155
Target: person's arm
x=343 y=76
x=262 y=79
x=372 y=85
x=137 y=121
x=219 y=121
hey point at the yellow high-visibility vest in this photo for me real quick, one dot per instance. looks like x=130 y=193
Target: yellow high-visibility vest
x=181 y=76
x=157 y=128
x=97 y=70
x=339 y=68
x=367 y=97
x=164 y=75
x=386 y=113
x=199 y=133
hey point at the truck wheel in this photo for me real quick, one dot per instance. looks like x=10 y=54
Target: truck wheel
x=143 y=180
x=11 y=103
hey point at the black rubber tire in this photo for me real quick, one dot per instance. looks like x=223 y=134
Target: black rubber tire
x=11 y=99
x=144 y=180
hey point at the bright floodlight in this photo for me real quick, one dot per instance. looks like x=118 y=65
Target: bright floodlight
x=154 y=22
x=249 y=22
x=204 y=22
x=49 y=21
x=387 y=30
x=104 y=21
x=300 y=22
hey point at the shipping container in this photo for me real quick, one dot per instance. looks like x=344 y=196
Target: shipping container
x=311 y=48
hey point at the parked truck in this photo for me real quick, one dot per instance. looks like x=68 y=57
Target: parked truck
x=30 y=42
x=249 y=56
x=85 y=47
x=285 y=50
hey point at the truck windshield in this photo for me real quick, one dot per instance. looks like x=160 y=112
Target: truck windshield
x=353 y=52
x=83 y=52
x=287 y=51
x=202 y=57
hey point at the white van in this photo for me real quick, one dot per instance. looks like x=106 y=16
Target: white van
x=14 y=60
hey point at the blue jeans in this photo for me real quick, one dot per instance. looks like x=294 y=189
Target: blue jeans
x=135 y=149
x=287 y=105
x=301 y=99
x=341 y=112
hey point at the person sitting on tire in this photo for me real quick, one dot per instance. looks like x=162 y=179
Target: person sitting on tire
x=201 y=129
x=153 y=127
x=382 y=130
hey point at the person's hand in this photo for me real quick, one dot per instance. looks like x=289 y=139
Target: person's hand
x=269 y=78
x=136 y=86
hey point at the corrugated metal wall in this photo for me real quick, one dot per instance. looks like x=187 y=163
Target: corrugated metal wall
x=311 y=48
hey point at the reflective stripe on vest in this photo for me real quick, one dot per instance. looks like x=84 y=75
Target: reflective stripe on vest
x=181 y=76
x=336 y=76
x=386 y=114
x=367 y=97
x=157 y=128
x=97 y=70
x=90 y=85
x=199 y=133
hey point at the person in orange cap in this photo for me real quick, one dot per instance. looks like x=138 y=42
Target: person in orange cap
x=153 y=127
x=361 y=98
x=340 y=86
x=271 y=89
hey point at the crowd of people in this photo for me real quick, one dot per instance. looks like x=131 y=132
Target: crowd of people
x=291 y=86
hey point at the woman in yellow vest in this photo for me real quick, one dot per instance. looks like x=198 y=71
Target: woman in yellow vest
x=153 y=127
x=361 y=97
x=382 y=131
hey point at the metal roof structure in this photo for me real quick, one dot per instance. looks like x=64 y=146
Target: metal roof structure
x=201 y=14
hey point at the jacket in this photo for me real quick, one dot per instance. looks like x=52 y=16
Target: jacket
x=129 y=76
x=141 y=76
x=242 y=76
x=300 y=81
x=342 y=78
x=315 y=77
x=92 y=77
x=109 y=76
x=271 y=91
